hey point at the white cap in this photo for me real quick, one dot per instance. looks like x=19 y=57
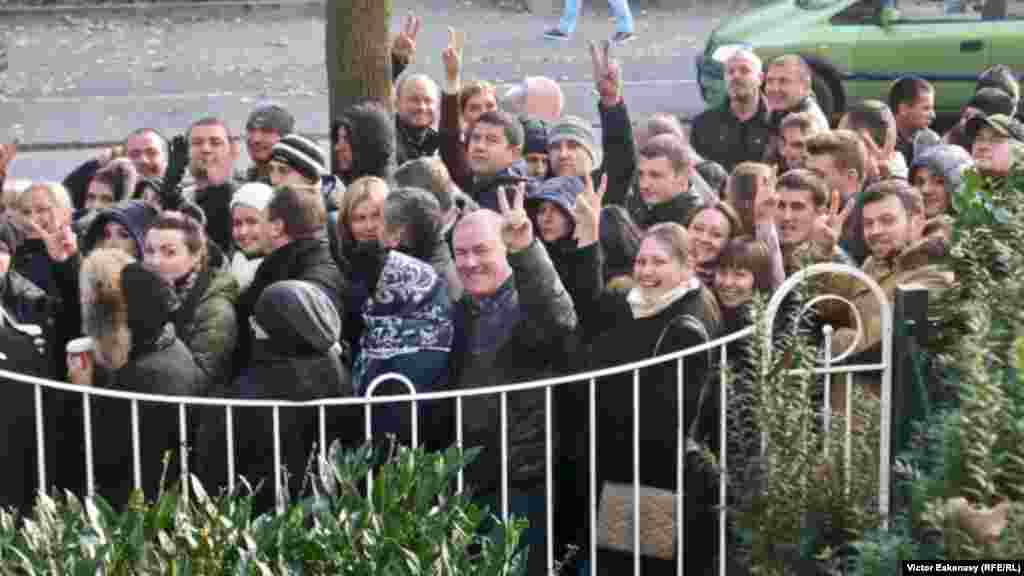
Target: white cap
x=254 y=194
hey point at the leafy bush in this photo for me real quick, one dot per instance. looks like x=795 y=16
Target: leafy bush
x=412 y=523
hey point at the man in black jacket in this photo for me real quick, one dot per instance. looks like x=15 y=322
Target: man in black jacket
x=212 y=156
x=294 y=229
x=512 y=325
x=666 y=192
x=738 y=130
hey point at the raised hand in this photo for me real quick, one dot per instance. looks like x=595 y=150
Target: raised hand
x=404 y=46
x=7 y=154
x=452 y=58
x=588 y=211
x=516 y=228
x=60 y=240
x=828 y=227
x=607 y=74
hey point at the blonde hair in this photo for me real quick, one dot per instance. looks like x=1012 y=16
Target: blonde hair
x=58 y=194
x=348 y=200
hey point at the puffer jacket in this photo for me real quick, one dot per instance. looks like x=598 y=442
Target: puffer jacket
x=521 y=333
x=207 y=323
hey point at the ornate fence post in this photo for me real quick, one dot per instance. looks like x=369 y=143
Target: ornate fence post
x=909 y=377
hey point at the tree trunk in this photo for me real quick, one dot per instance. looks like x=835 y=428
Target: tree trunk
x=358 y=53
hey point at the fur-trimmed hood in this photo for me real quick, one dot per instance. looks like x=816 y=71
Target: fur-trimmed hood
x=125 y=307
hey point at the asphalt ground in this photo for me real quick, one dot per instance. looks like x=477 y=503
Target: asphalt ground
x=81 y=79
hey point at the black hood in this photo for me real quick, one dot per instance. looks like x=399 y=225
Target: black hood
x=135 y=215
x=372 y=134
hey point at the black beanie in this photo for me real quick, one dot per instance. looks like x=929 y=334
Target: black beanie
x=147 y=302
x=535 y=136
x=992 y=100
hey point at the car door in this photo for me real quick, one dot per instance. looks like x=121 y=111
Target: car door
x=945 y=42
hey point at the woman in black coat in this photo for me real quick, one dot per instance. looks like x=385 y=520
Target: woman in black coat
x=667 y=310
x=126 y=310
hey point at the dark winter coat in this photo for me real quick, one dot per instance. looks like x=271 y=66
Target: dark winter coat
x=717 y=134
x=485 y=190
x=216 y=204
x=307 y=259
x=206 y=322
x=412 y=143
x=617 y=338
x=520 y=334
x=163 y=366
x=678 y=209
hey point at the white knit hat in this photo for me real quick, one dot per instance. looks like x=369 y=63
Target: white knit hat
x=254 y=194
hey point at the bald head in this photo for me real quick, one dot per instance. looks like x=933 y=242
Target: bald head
x=535 y=97
x=481 y=258
x=418 y=97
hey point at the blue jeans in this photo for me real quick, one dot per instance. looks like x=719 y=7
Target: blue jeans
x=618 y=8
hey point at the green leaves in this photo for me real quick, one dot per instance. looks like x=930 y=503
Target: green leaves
x=414 y=524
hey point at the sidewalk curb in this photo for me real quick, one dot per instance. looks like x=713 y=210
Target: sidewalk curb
x=159 y=7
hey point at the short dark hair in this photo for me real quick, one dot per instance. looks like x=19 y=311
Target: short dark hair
x=512 y=127
x=747 y=253
x=909 y=197
x=212 y=121
x=844 y=147
x=807 y=180
x=906 y=90
x=419 y=215
x=805 y=121
x=873 y=116
x=159 y=136
x=794 y=60
x=669 y=146
x=301 y=208
x=430 y=174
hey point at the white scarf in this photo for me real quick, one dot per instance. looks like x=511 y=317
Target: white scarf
x=644 y=306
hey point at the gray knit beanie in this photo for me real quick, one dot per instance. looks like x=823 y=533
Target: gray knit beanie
x=578 y=130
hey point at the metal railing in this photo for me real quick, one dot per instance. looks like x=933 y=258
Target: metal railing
x=827 y=370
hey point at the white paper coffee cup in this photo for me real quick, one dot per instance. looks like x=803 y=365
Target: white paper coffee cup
x=80 y=351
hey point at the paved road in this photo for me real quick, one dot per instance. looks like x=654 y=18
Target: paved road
x=87 y=78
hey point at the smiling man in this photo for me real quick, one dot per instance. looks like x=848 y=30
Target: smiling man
x=266 y=125
x=666 y=191
x=787 y=89
x=418 y=98
x=495 y=156
x=997 y=142
x=803 y=198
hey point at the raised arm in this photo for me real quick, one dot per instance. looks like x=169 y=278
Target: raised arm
x=616 y=130
x=453 y=152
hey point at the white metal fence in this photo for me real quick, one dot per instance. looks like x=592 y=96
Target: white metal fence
x=827 y=370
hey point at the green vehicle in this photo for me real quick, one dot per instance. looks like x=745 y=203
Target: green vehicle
x=858 y=47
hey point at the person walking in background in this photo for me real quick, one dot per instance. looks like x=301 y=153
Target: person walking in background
x=619 y=10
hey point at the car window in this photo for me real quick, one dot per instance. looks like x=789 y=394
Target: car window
x=863 y=12
x=1015 y=9
x=943 y=10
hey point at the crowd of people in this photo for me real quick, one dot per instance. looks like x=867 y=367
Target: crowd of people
x=464 y=244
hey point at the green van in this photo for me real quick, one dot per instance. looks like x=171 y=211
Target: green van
x=858 y=47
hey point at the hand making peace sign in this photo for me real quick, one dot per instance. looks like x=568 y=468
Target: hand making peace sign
x=588 y=211
x=516 y=228
x=828 y=227
x=607 y=75
x=452 y=56
x=404 y=46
